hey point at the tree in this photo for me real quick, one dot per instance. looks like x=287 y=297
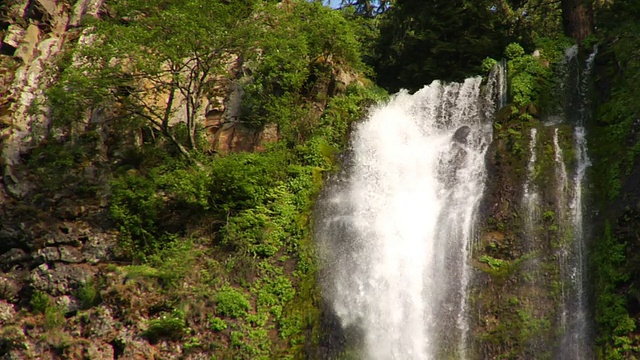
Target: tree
x=437 y=39
x=368 y=8
x=154 y=62
x=542 y=17
x=528 y=20
x=577 y=18
x=302 y=46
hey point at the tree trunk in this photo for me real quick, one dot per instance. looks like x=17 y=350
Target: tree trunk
x=577 y=18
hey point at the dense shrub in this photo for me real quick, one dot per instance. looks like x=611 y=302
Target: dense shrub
x=231 y=302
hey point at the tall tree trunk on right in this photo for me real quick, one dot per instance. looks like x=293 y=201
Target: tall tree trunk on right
x=577 y=18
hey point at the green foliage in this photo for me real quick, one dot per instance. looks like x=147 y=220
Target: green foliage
x=488 y=64
x=531 y=326
x=231 y=302
x=241 y=181
x=217 y=324
x=423 y=41
x=141 y=271
x=513 y=51
x=88 y=294
x=39 y=302
x=53 y=317
x=169 y=326
x=135 y=206
x=614 y=146
x=493 y=263
x=528 y=76
x=612 y=316
x=343 y=109
x=166 y=266
x=296 y=62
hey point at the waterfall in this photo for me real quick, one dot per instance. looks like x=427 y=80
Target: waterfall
x=396 y=227
x=530 y=195
x=567 y=121
x=562 y=192
x=575 y=344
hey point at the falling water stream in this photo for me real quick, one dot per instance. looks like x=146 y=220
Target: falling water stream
x=576 y=341
x=568 y=200
x=397 y=227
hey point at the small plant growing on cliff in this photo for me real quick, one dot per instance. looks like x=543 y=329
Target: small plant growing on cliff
x=88 y=295
x=217 y=324
x=169 y=326
x=53 y=317
x=39 y=302
x=527 y=76
x=231 y=302
x=549 y=216
x=488 y=64
x=513 y=51
x=493 y=263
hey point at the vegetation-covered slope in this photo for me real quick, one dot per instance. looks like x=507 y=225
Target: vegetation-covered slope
x=161 y=160
x=210 y=254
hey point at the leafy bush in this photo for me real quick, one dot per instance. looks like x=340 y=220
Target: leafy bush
x=488 y=64
x=528 y=76
x=135 y=206
x=231 y=302
x=245 y=233
x=217 y=324
x=188 y=189
x=241 y=181
x=169 y=326
x=513 y=51
x=295 y=59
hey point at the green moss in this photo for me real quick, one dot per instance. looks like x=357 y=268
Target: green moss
x=88 y=294
x=169 y=326
x=53 y=317
x=40 y=301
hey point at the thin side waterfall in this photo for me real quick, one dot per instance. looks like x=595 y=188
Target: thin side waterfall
x=567 y=121
x=577 y=337
x=562 y=192
x=530 y=195
x=395 y=229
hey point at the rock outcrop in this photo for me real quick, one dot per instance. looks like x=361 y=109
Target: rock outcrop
x=38 y=31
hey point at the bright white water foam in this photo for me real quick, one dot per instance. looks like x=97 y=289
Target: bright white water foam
x=395 y=232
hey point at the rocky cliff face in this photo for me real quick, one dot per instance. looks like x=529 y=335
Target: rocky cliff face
x=59 y=248
x=55 y=246
x=517 y=297
x=64 y=293
x=34 y=33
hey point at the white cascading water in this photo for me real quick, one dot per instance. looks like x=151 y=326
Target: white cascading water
x=577 y=337
x=396 y=229
x=562 y=193
x=530 y=195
